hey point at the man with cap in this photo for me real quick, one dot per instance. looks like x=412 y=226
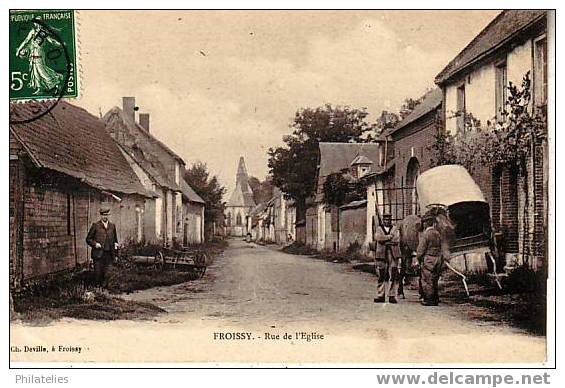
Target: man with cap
x=431 y=253
x=387 y=255
x=103 y=240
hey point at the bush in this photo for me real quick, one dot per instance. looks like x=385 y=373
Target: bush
x=524 y=280
x=298 y=248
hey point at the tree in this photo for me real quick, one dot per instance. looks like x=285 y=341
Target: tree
x=341 y=188
x=262 y=190
x=209 y=188
x=294 y=165
x=408 y=106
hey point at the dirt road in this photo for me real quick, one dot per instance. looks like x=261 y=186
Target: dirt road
x=252 y=296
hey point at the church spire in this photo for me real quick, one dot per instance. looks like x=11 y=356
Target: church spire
x=241 y=178
x=242 y=194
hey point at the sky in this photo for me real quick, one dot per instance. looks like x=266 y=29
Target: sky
x=223 y=84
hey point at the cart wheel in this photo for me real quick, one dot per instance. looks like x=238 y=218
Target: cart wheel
x=200 y=260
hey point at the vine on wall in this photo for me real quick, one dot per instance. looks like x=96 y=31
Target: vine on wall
x=508 y=142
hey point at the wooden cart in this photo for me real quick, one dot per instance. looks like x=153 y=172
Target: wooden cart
x=186 y=259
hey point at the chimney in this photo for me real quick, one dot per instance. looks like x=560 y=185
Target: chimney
x=144 y=121
x=129 y=107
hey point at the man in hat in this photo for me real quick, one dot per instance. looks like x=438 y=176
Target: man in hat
x=431 y=253
x=103 y=240
x=387 y=255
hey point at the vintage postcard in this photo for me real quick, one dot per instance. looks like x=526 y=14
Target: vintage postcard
x=281 y=188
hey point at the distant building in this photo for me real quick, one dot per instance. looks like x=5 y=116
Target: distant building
x=273 y=221
x=240 y=204
x=63 y=167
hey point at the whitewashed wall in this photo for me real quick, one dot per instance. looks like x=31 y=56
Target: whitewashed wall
x=480 y=99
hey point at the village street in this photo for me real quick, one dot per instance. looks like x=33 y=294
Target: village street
x=257 y=290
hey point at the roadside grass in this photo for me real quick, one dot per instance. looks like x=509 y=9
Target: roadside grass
x=297 y=248
x=74 y=296
x=96 y=307
x=522 y=302
x=128 y=280
x=74 y=299
x=351 y=255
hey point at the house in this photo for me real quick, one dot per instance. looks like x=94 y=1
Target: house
x=382 y=194
x=413 y=139
x=290 y=220
x=475 y=85
x=241 y=202
x=156 y=182
x=256 y=220
x=193 y=213
x=284 y=218
x=63 y=167
x=273 y=221
x=328 y=228
x=165 y=169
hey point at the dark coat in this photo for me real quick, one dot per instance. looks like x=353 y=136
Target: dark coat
x=105 y=237
x=432 y=244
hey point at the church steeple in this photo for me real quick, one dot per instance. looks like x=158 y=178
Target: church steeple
x=242 y=195
x=242 y=180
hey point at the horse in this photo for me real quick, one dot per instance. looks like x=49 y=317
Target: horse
x=410 y=229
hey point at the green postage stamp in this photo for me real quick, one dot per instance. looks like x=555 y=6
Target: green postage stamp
x=43 y=55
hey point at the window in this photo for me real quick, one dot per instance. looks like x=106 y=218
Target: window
x=229 y=219
x=238 y=219
x=500 y=97
x=461 y=108
x=540 y=72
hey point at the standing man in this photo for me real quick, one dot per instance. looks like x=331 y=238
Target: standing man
x=430 y=254
x=387 y=254
x=103 y=240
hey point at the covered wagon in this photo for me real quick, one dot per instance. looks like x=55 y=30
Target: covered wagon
x=452 y=188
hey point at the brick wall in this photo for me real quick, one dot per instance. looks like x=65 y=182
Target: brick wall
x=509 y=209
x=540 y=169
x=413 y=141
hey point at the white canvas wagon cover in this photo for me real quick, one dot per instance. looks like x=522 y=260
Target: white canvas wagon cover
x=447 y=185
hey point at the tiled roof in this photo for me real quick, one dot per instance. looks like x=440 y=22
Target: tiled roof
x=335 y=157
x=152 y=167
x=502 y=29
x=431 y=101
x=242 y=195
x=115 y=119
x=189 y=192
x=152 y=138
x=72 y=141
